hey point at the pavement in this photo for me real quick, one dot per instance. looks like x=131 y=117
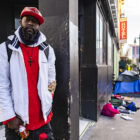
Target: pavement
x=115 y=128
x=109 y=128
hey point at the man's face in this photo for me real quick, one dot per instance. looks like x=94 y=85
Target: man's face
x=30 y=23
x=30 y=27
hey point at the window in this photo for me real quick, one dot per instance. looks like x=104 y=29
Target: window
x=100 y=39
x=105 y=43
x=109 y=50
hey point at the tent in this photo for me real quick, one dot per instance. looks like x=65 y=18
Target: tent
x=127 y=82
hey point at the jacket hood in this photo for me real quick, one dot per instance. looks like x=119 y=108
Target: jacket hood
x=41 y=39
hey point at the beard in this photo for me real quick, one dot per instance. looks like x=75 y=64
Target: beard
x=28 y=35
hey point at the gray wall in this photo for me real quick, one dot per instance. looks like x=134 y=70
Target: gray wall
x=74 y=69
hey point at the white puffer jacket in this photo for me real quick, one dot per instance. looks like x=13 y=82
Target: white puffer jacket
x=13 y=80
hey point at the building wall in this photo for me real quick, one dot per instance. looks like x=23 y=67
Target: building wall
x=96 y=53
x=61 y=29
x=105 y=64
x=74 y=70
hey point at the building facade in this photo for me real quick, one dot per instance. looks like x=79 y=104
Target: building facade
x=84 y=37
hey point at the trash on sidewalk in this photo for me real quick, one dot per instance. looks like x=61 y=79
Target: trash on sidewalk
x=121 y=107
x=124 y=111
x=128 y=99
x=124 y=106
x=108 y=110
x=131 y=106
x=116 y=100
x=125 y=117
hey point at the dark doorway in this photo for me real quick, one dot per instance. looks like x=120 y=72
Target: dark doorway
x=87 y=54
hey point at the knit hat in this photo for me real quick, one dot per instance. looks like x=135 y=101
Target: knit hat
x=33 y=11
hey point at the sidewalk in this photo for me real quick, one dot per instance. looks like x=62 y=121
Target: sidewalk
x=115 y=128
x=110 y=128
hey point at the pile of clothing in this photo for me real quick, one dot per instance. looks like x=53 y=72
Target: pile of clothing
x=119 y=104
x=108 y=110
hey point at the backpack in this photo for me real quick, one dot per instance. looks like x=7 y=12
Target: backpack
x=131 y=106
x=9 y=51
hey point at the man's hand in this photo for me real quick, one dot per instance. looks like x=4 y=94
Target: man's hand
x=52 y=87
x=15 y=123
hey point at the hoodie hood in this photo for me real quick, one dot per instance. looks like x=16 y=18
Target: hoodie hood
x=41 y=38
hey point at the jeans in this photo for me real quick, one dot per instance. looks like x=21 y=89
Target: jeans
x=10 y=134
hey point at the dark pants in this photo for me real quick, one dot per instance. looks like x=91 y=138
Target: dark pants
x=10 y=134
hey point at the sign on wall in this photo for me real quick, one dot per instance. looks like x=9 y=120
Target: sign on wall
x=123 y=30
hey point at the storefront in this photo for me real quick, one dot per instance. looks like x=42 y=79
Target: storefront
x=96 y=57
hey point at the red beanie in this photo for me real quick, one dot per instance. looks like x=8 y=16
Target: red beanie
x=33 y=11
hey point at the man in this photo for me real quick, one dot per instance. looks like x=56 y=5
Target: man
x=27 y=79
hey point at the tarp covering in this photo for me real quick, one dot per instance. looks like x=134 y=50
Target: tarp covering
x=127 y=87
x=128 y=76
x=127 y=82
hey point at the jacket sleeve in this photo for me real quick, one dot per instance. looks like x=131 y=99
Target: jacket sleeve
x=51 y=66
x=6 y=103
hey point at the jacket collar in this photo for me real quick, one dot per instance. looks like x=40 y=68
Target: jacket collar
x=15 y=39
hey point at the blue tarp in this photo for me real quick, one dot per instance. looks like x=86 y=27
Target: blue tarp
x=127 y=87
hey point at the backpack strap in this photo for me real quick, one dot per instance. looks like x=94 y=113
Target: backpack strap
x=9 y=51
x=46 y=51
x=45 y=47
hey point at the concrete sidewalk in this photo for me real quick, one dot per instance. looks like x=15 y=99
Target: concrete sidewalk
x=115 y=128
x=110 y=128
